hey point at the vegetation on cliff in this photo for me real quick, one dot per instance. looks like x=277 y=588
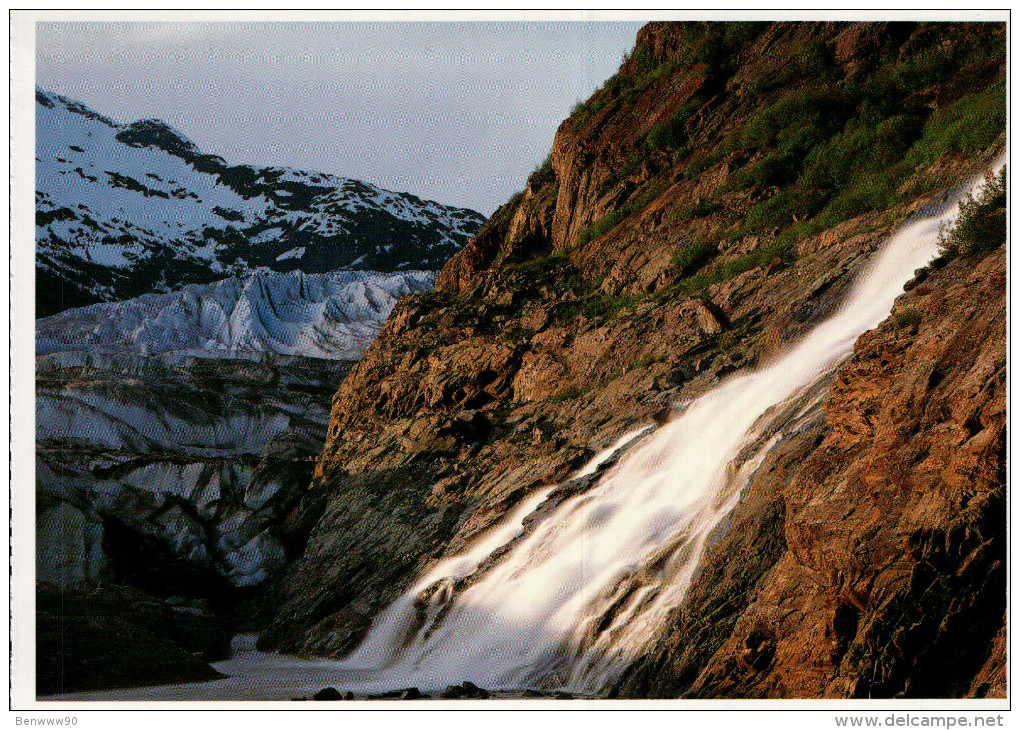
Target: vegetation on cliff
x=982 y=222
x=810 y=140
x=706 y=207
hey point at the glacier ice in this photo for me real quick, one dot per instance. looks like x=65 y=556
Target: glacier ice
x=332 y=316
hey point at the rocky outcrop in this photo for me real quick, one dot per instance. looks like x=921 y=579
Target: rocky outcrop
x=679 y=233
x=872 y=546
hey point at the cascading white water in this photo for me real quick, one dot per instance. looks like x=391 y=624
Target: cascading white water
x=585 y=591
x=586 y=585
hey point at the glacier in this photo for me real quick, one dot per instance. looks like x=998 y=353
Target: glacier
x=329 y=316
x=193 y=418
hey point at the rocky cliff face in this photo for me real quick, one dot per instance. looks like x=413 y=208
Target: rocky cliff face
x=872 y=547
x=707 y=206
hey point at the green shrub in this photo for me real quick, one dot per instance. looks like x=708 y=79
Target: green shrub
x=809 y=58
x=812 y=58
x=778 y=210
x=434 y=300
x=571 y=393
x=772 y=80
x=788 y=130
x=542 y=174
x=554 y=270
x=611 y=220
x=795 y=119
x=584 y=111
x=761 y=256
x=595 y=304
x=543 y=264
x=923 y=69
x=601 y=226
x=778 y=167
x=670 y=134
x=705 y=207
x=643 y=59
x=872 y=191
x=868 y=142
x=906 y=320
x=981 y=225
x=647 y=360
x=832 y=171
x=698 y=165
x=741 y=33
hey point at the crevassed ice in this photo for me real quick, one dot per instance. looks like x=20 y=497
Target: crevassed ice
x=330 y=316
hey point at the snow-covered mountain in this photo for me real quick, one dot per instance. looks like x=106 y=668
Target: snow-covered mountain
x=332 y=316
x=124 y=210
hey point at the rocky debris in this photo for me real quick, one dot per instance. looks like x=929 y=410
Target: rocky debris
x=710 y=319
x=332 y=694
x=463 y=691
x=117 y=636
x=873 y=544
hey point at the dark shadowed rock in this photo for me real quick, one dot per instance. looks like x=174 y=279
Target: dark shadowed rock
x=115 y=636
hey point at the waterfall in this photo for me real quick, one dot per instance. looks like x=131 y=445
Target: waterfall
x=575 y=584
x=584 y=590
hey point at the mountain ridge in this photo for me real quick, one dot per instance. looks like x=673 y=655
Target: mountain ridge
x=123 y=210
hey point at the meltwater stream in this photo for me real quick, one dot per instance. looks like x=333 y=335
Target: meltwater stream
x=582 y=590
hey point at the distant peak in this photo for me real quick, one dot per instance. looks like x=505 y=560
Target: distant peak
x=157 y=133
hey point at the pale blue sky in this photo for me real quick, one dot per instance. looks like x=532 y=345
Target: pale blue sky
x=454 y=112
